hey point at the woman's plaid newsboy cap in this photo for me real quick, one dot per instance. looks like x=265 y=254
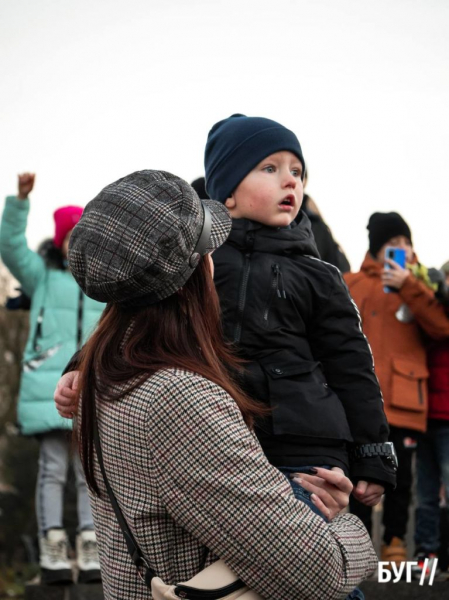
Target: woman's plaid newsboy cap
x=136 y=242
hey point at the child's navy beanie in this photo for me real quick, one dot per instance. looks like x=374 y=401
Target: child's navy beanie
x=236 y=145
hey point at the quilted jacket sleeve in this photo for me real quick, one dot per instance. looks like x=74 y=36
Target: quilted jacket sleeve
x=338 y=342
x=26 y=266
x=217 y=484
x=428 y=311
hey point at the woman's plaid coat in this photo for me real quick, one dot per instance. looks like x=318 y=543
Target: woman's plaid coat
x=189 y=475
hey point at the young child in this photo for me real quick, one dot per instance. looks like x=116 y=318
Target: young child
x=291 y=316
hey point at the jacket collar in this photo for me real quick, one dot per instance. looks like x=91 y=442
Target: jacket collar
x=249 y=235
x=371 y=266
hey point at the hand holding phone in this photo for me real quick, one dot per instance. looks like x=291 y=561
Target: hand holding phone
x=394 y=273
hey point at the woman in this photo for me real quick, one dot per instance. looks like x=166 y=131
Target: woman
x=61 y=318
x=188 y=473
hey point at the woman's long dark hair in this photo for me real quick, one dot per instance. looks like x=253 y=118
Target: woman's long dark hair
x=129 y=345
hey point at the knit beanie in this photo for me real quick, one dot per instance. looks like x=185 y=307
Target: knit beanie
x=65 y=218
x=384 y=226
x=236 y=145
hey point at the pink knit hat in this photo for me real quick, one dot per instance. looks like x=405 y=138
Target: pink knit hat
x=65 y=218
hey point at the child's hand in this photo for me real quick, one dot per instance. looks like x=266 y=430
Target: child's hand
x=25 y=185
x=66 y=395
x=394 y=276
x=330 y=489
x=368 y=493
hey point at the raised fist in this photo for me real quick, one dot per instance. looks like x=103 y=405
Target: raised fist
x=25 y=185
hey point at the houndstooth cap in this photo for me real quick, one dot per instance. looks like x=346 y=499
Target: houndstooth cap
x=136 y=242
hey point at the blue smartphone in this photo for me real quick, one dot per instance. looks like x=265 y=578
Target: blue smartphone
x=398 y=256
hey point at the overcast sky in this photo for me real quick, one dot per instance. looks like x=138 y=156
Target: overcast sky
x=95 y=89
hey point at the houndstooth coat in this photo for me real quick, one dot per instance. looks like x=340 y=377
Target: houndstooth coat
x=189 y=475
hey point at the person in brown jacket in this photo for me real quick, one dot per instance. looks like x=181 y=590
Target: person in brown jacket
x=396 y=325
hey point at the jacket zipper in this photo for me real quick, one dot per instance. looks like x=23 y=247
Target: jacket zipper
x=38 y=330
x=244 y=285
x=277 y=286
x=242 y=297
x=420 y=394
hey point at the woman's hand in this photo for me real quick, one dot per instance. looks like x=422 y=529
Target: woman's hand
x=66 y=395
x=25 y=185
x=330 y=489
x=395 y=276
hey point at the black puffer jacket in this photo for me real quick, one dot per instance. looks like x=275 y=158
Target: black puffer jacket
x=328 y=248
x=292 y=317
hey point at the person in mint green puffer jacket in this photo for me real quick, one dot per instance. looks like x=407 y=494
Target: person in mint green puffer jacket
x=61 y=319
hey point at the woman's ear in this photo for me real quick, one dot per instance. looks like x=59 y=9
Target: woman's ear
x=230 y=202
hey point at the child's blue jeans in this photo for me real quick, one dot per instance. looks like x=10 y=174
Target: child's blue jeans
x=304 y=496
x=300 y=492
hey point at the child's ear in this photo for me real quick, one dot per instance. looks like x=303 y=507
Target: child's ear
x=230 y=202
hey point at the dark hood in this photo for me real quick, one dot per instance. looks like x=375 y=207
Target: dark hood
x=296 y=239
x=52 y=255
